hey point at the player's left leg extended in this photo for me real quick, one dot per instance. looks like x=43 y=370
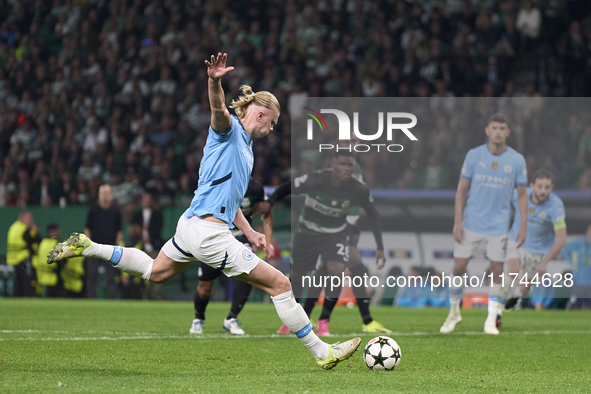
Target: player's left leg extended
x=293 y=316
x=358 y=270
x=130 y=260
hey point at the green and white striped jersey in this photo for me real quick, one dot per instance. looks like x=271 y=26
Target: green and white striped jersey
x=326 y=207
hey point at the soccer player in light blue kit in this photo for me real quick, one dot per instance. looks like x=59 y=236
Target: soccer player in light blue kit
x=203 y=231
x=546 y=235
x=483 y=212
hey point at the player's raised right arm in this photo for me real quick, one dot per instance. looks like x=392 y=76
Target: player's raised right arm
x=460 y=203
x=220 y=116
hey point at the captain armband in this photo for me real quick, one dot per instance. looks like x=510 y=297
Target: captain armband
x=560 y=224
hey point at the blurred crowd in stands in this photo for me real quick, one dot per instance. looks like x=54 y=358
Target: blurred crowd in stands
x=96 y=91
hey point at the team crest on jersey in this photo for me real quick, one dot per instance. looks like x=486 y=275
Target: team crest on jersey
x=532 y=211
x=245 y=202
x=334 y=203
x=247 y=255
x=495 y=165
x=542 y=215
x=507 y=168
x=346 y=204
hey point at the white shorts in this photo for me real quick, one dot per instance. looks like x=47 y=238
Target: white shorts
x=496 y=246
x=211 y=243
x=528 y=260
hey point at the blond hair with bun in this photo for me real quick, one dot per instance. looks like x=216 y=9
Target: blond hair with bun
x=247 y=97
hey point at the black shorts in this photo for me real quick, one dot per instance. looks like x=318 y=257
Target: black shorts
x=307 y=248
x=354 y=232
x=208 y=273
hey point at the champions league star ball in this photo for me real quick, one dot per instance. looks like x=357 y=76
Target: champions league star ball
x=382 y=354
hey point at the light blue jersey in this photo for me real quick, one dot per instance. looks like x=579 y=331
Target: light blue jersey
x=224 y=174
x=578 y=253
x=492 y=181
x=541 y=219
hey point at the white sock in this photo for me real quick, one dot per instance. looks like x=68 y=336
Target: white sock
x=130 y=260
x=98 y=250
x=494 y=304
x=455 y=296
x=293 y=316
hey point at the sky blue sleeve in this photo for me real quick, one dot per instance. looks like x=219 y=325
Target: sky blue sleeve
x=521 y=171
x=225 y=136
x=468 y=166
x=557 y=213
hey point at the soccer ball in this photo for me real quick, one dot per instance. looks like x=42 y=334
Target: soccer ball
x=382 y=354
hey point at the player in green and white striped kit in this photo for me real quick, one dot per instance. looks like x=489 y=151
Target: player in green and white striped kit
x=326 y=229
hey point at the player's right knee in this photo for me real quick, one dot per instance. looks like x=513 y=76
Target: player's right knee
x=282 y=284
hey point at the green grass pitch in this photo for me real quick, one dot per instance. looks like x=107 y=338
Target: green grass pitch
x=126 y=346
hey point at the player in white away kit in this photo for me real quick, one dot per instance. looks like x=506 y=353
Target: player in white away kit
x=203 y=231
x=546 y=235
x=483 y=212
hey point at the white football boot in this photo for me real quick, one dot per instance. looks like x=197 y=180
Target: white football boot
x=232 y=326
x=338 y=352
x=490 y=327
x=197 y=327
x=450 y=323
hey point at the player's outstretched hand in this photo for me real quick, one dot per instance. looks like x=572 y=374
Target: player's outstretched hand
x=520 y=239
x=380 y=259
x=458 y=233
x=216 y=68
x=257 y=240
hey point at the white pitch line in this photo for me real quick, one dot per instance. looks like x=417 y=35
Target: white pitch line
x=269 y=336
x=78 y=332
